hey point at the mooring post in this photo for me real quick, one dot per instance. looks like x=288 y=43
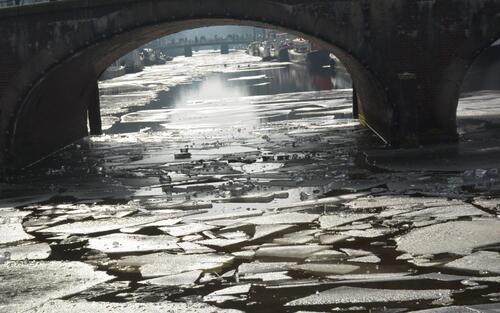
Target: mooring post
x=188 y=51
x=355 y=109
x=224 y=48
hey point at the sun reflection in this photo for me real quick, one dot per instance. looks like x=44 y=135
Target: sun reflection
x=213 y=104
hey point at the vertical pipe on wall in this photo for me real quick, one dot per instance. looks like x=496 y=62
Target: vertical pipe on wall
x=94 y=110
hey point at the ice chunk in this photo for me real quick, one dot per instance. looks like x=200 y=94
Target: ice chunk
x=328 y=239
x=293 y=240
x=42 y=281
x=244 y=255
x=124 y=243
x=366 y=259
x=28 y=251
x=162 y=223
x=256 y=198
x=283 y=218
x=11 y=228
x=296 y=252
x=164 y=264
x=446 y=212
x=273 y=276
x=101 y=225
x=222 y=243
x=490 y=204
x=220 y=295
x=264 y=231
x=298 y=237
x=333 y=220
x=368 y=233
x=362 y=226
x=480 y=261
x=453 y=237
x=352 y=295
x=182 y=279
x=187 y=229
x=229 y=215
x=398 y=202
x=194 y=248
x=61 y=306
x=234 y=235
x=485 y=308
x=324 y=269
x=355 y=252
x=369 y=277
x=326 y=255
x=264 y=267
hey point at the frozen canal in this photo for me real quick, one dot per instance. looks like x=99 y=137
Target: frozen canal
x=286 y=204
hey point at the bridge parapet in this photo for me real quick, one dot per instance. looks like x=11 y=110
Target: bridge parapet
x=17 y=3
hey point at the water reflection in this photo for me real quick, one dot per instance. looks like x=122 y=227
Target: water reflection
x=228 y=97
x=291 y=78
x=211 y=104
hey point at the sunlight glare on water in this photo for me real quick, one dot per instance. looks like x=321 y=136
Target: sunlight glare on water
x=211 y=105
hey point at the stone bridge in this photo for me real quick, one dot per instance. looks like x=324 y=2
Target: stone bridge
x=223 y=44
x=407 y=58
x=194 y=44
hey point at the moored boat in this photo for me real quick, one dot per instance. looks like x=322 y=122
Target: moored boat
x=318 y=58
x=299 y=50
x=184 y=154
x=265 y=51
x=302 y=52
x=133 y=62
x=253 y=48
x=283 y=54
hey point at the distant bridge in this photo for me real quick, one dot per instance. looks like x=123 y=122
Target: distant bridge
x=189 y=45
x=407 y=58
x=194 y=44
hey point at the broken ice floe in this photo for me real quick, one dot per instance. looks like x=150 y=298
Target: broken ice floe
x=164 y=264
x=101 y=225
x=292 y=252
x=43 y=281
x=329 y=221
x=452 y=237
x=61 y=306
x=483 y=262
x=352 y=295
x=227 y=293
x=11 y=228
x=124 y=243
x=325 y=269
x=26 y=251
x=179 y=280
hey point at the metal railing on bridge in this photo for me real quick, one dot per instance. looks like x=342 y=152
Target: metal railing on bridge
x=13 y=3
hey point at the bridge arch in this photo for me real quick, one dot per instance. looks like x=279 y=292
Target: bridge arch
x=61 y=77
x=477 y=33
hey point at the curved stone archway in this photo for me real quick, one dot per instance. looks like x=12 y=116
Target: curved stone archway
x=480 y=28
x=54 y=111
